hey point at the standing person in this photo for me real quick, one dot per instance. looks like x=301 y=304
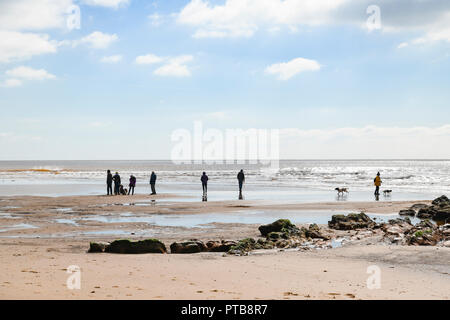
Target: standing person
x=109 y=181
x=153 y=182
x=377 y=181
x=132 y=184
x=204 y=179
x=116 y=180
x=241 y=180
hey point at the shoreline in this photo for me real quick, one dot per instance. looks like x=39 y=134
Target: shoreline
x=36 y=268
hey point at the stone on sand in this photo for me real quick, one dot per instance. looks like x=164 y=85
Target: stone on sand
x=136 y=247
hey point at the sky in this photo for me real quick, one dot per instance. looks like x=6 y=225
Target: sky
x=114 y=79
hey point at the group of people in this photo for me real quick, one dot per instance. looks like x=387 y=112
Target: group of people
x=119 y=188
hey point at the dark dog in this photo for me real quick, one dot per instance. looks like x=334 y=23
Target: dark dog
x=341 y=191
x=387 y=192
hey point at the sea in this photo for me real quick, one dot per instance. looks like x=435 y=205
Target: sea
x=293 y=181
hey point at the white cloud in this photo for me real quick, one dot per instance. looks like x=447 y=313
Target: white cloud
x=370 y=142
x=287 y=70
x=11 y=83
x=172 y=66
x=27 y=73
x=111 y=59
x=114 y=4
x=175 y=67
x=155 y=19
x=242 y=18
x=33 y=15
x=17 y=75
x=20 y=46
x=97 y=40
x=148 y=59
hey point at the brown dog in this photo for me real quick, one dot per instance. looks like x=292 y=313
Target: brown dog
x=341 y=191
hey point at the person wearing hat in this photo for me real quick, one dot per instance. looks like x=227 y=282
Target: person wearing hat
x=377 y=181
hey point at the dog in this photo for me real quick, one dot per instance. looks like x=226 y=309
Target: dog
x=387 y=192
x=341 y=191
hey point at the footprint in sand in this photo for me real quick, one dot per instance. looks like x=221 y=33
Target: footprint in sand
x=290 y=294
x=350 y=295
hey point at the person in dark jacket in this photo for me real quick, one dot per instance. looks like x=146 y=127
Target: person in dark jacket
x=153 y=182
x=109 y=181
x=204 y=179
x=123 y=191
x=132 y=184
x=241 y=179
x=116 y=180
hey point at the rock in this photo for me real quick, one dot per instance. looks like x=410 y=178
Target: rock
x=396 y=229
x=426 y=213
x=135 y=247
x=446 y=244
x=442 y=214
x=282 y=244
x=441 y=201
x=314 y=232
x=97 y=246
x=416 y=207
x=403 y=223
x=423 y=238
x=281 y=225
x=438 y=211
x=244 y=245
x=276 y=235
x=264 y=244
x=351 y=221
x=426 y=224
x=192 y=246
x=220 y=246
x=409 y=212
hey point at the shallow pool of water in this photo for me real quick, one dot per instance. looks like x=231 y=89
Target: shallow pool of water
x=20 y=226
x=205 y=220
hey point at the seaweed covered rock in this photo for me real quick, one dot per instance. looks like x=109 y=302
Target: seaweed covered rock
x=438 y=211
x=220 y=246
x=136 y=247
x=442 y=214
x=245 y=245
x=424 y=237
x=351 y=221
x=282 y=225
x=424 y=233
x=441 y=201
x=97 y=246
x=276 y=235
x=314 y=232
x=191 y=246
x=426 y=213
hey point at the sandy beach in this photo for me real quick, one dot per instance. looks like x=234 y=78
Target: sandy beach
x=43 y=236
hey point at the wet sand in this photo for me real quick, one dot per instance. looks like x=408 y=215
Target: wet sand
x=34 y=259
